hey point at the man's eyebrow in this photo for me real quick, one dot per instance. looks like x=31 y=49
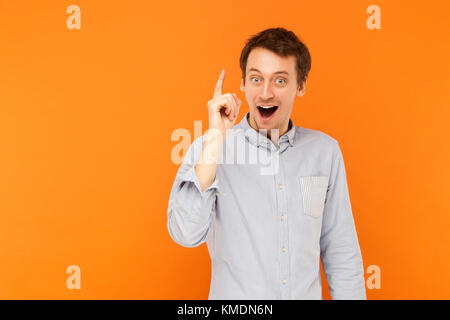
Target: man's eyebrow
x=254 y=69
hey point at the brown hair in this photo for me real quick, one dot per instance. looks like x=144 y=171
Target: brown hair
x=282 y=42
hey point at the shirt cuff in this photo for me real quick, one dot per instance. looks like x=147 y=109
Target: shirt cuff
x=191 y=176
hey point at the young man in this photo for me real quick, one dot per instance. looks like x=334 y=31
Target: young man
x=267 y=223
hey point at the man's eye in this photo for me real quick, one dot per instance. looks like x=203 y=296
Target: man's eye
x=281 y=80
x=254 y=78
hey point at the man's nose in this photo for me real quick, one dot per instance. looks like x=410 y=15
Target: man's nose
x=267 y=92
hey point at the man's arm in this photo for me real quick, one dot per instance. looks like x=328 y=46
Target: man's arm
x=193 y=196
x=340 y=251
x=206 y=166
x=191 y=206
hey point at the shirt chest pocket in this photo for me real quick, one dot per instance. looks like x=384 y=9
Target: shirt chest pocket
x=313 y=193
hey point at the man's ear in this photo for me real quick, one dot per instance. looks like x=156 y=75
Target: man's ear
x=242 y=84
x=301 y=89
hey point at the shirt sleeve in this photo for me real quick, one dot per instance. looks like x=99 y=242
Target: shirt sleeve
x=340 y=251
x=189 y=214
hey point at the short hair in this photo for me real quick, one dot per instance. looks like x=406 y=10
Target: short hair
x=282 y=42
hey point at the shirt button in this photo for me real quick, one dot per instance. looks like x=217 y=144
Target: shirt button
x=277 y=155
x=282 y=217
x=280 y=186
x=284 y=281
x=283 y=249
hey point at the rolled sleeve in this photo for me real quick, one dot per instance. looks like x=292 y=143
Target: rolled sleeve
x=191 y=176
x=190 y=210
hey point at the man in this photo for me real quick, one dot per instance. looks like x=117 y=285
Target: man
x=267 y=223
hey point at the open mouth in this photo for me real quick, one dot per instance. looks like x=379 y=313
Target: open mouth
x=266 y=112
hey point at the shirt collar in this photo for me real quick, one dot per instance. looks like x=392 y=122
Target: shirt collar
x=260 y=139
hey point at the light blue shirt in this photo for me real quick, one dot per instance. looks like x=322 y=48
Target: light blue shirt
x=270 y=215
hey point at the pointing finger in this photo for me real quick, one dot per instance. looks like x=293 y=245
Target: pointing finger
x=219 y=84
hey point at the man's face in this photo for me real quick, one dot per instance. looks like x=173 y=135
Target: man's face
x=270 y=80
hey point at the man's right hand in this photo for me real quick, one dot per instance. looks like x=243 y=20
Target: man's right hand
x=223 y=109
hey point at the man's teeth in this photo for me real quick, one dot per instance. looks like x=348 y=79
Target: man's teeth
x=267 y=107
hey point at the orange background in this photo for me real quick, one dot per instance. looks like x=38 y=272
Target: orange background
x=86 y=118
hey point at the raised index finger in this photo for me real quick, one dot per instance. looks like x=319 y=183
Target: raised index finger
x=219 y=84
